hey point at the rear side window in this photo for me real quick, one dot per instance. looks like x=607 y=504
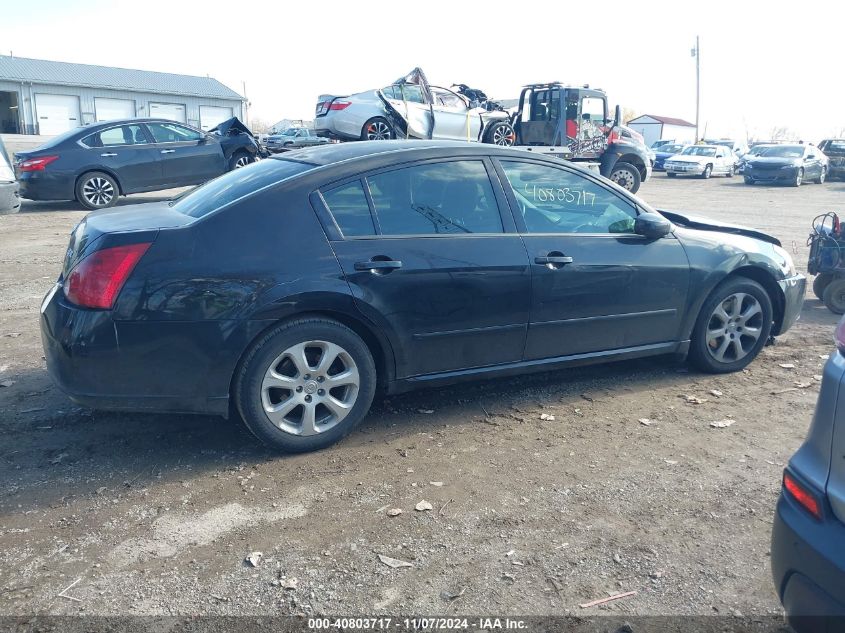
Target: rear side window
x=452 y=197
x=172 y=133
x=123 y=135
x=348 y=204
x=236 y=184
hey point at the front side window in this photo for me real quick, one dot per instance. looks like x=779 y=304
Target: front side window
x=453 y=197
x=553 y=200
x=172 y=133
x=348 y=205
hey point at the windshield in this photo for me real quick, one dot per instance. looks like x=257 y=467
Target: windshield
x=236 y=184
x=699 y=150
x=782 y=151
x=670 y=149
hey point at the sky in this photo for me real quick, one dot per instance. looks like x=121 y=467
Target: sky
x=763 y=64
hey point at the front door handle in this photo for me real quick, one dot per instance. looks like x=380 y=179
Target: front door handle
x=108 y=154
x=167 y=151
x=553 y=260
x=378 y=266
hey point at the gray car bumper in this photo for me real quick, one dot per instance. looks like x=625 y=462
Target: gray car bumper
x=10 y=199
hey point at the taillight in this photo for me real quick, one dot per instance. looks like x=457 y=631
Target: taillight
x=839 y=336
x=96 y=281
x=340 y=105
x=804 y=497
x=36 y=164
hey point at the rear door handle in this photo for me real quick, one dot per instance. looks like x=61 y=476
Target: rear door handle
x=109 y=154
x=378 y=266
x=167 y=151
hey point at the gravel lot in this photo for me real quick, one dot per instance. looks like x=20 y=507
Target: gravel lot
x=155 y=514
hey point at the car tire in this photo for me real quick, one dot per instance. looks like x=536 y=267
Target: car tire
x=97 y=190
x=717 y=334
x=377 y=129
x=822 y=177
x=500 y=133
x=730 y=173
x=626 y=176
x=670 y=175
x=708 y=171
x=240 y=159
x=799 y=178
x=834 y=296
x=282 y=370
x=820 y=283
x=748 y=181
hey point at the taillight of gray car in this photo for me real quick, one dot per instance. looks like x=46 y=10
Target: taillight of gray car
x=808 y=558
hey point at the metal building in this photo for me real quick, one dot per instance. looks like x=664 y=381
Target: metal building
x=45 y=97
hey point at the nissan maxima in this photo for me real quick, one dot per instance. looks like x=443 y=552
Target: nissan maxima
x=293 y=290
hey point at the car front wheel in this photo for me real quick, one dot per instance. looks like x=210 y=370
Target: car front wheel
x=707 y=171
x=626 y=176
x=822 y=176
x=799 y=178
x=501 y=133
x=732 y=327
x=97 y=190
x=305 y=385
x=241 y=159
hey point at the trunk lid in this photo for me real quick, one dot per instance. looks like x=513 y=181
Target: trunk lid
x=111 y=227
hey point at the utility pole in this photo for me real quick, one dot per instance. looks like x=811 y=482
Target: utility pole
x=696 y=52
x=246 y=106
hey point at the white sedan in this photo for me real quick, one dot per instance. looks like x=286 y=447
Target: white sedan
x=701 y=160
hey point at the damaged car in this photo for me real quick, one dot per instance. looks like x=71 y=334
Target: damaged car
x=411 y=107
x=240 y=146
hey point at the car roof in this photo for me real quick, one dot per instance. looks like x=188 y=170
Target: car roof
x=404 y=149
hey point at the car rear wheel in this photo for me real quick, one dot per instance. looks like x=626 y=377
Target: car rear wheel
x=626 y=176
x=730 y=173
x=799 y=178
x=500 y=133
x=377 y=129
x=820 y=283
x=732 y=327
x=305 y=385
x=834 y=296
x=822 y=176
x=97 y=190
x=708 y=170
x=670 y=174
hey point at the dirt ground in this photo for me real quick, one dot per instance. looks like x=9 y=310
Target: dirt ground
x=155 y=514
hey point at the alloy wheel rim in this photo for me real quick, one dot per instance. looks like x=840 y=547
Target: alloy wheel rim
x=799 y=178
x=98 y=191
x=504 y=136
x=823 y=176
x=243 y=161
x=623 y=178
x=734 y=327
x=310 y=388
x=378 y=131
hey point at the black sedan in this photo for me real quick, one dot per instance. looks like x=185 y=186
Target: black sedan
x=789 y=164
x=291 y=290
x=834 y=149
x=97 y=163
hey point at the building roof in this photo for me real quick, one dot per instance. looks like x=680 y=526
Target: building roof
x=668 y=120
x=43 y=71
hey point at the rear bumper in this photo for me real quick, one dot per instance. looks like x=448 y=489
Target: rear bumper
x=10 y=199
x=808 y=568
x=793 y=289
x=182 y=367
x=42 y=185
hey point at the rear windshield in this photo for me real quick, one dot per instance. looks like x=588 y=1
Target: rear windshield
x=835 y=147
x=236 y=184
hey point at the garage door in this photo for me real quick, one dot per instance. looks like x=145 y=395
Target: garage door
x=57 y=113
x=211 y=116
x=110 y=109
x=172 y=111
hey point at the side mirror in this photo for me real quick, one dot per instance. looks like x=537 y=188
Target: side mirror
x=652 y=225
x=203 y=139
x=617 y=115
